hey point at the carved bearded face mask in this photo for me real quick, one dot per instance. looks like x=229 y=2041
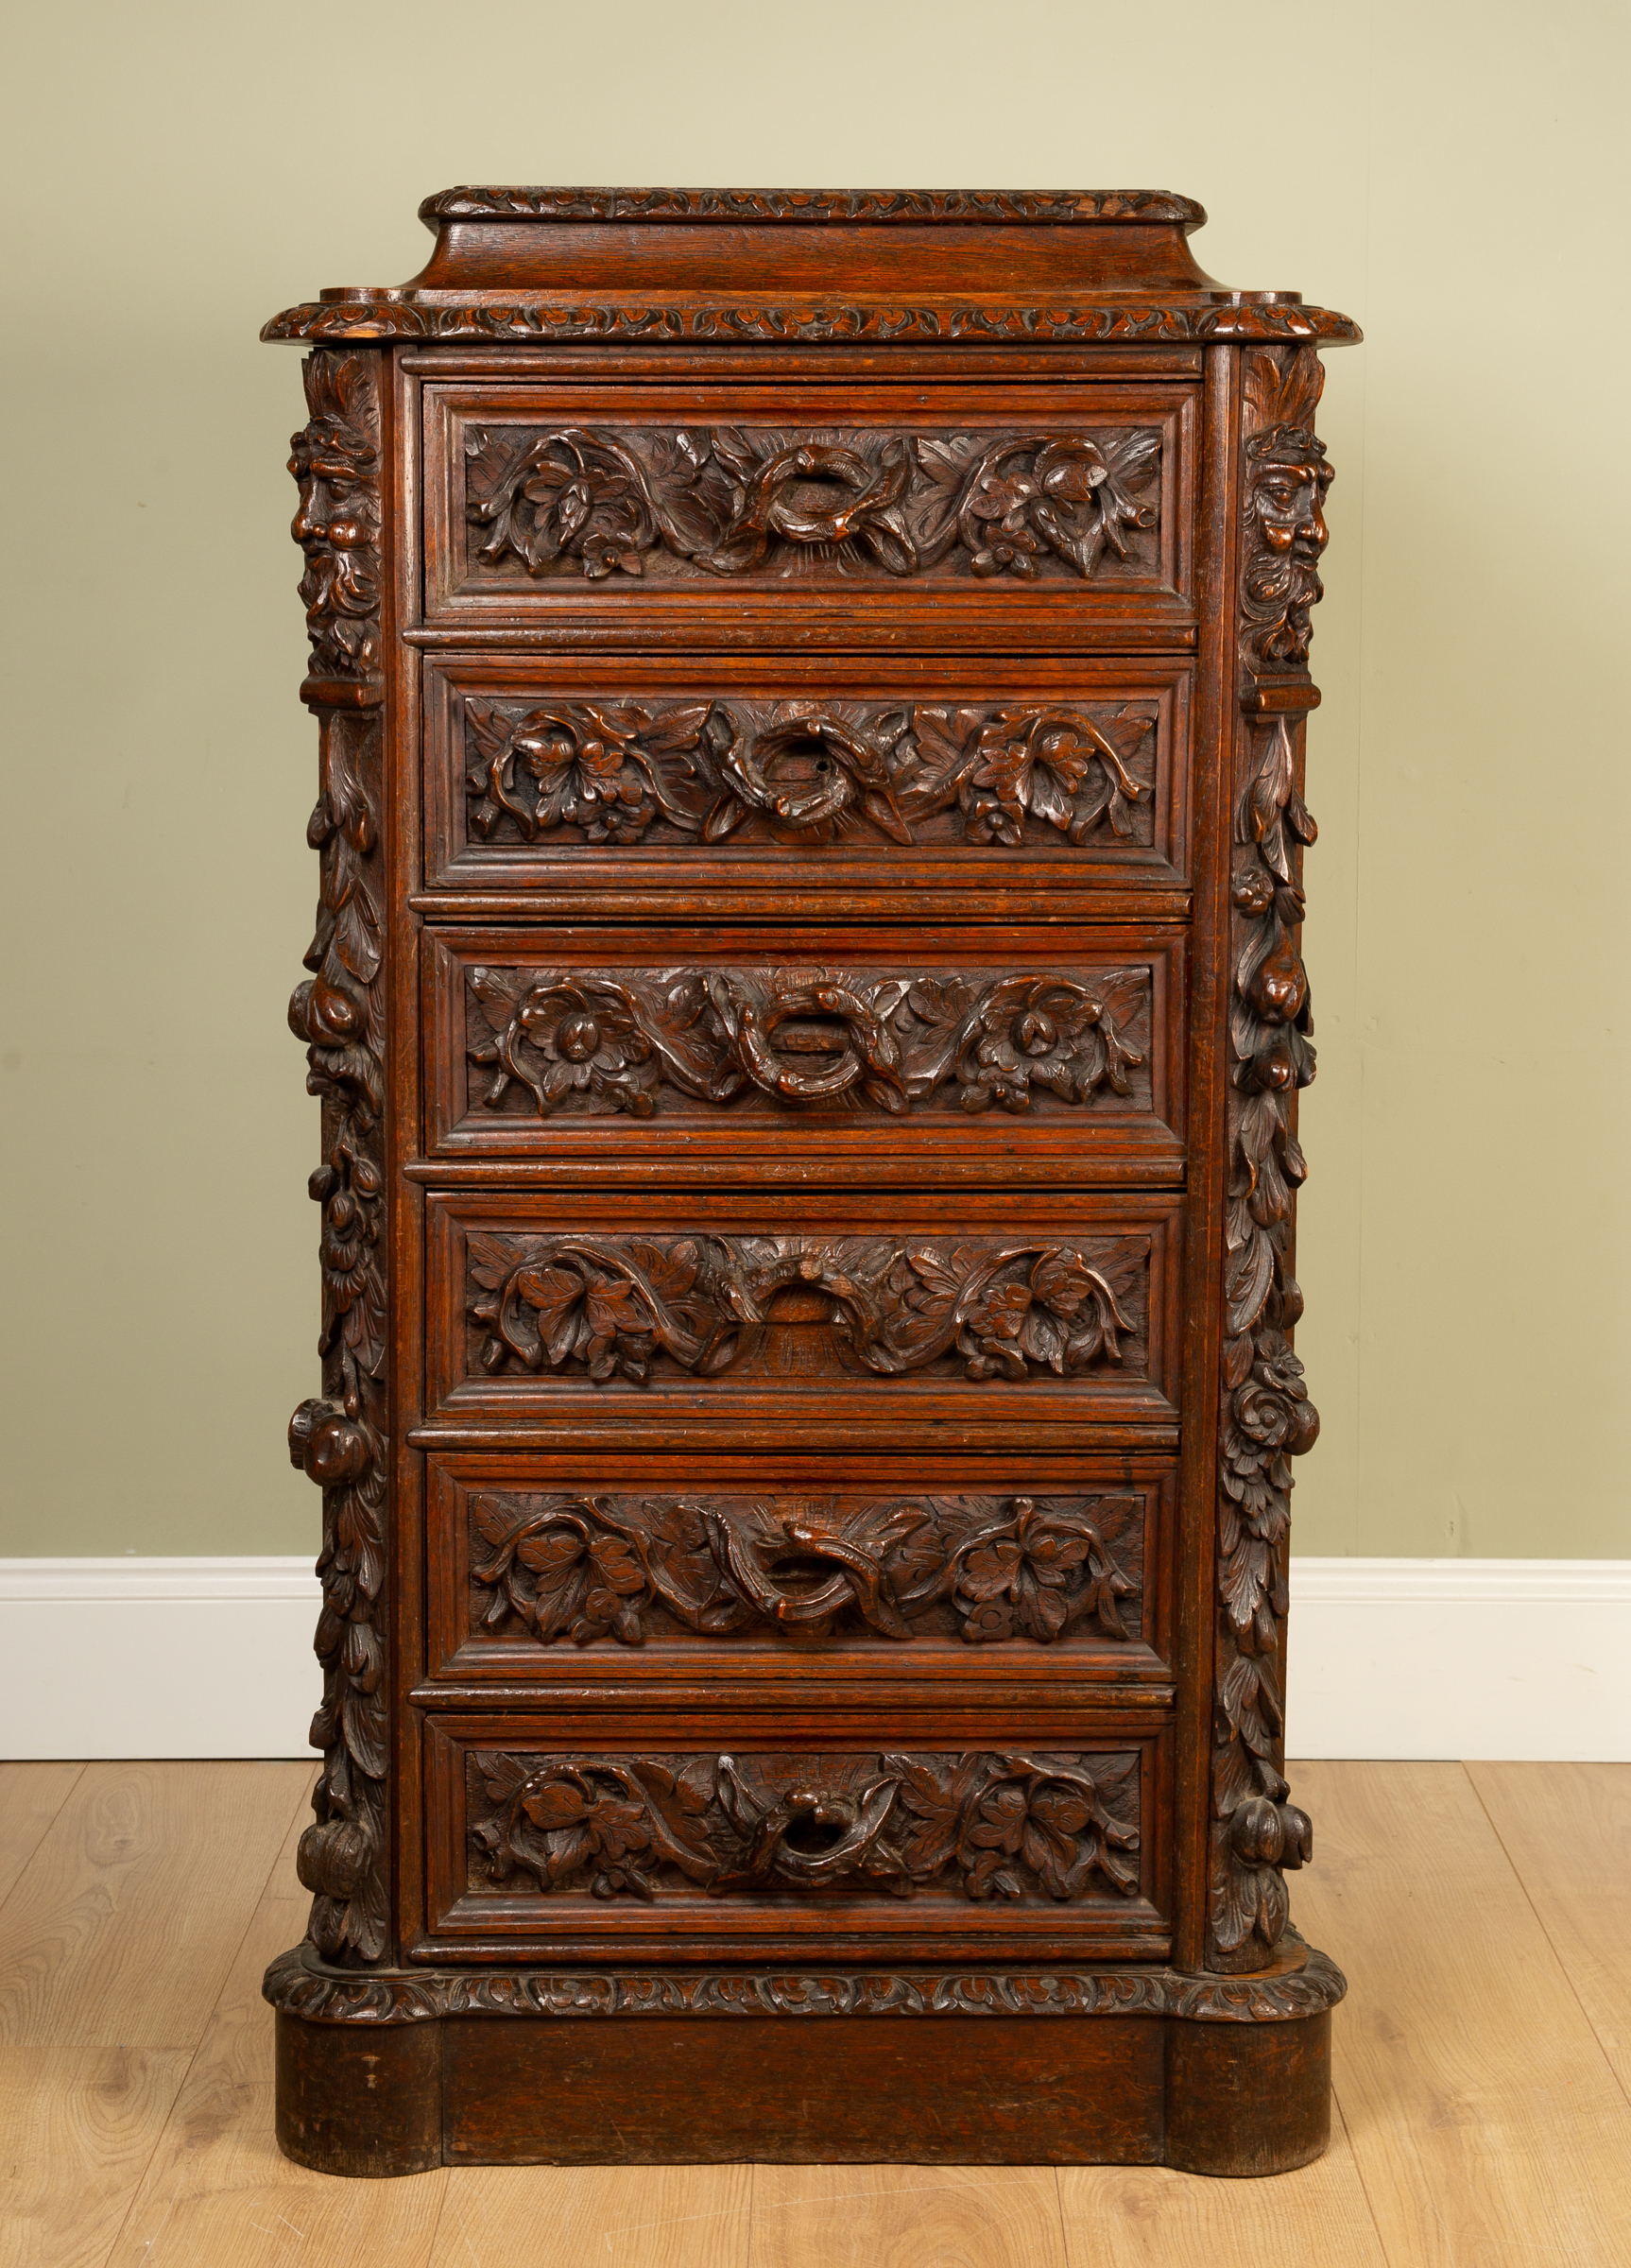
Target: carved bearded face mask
x=1288 y=483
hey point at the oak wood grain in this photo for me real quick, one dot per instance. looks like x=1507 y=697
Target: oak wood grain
x=1567 y=1830
x=30 y=1798
x=619 y=2216
x=79 y=2126
x=1149 y=2217
x=121 y=1926
x=1484 y=2117
x=906 y=2216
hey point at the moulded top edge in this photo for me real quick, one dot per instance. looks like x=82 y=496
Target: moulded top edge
x=761 y=208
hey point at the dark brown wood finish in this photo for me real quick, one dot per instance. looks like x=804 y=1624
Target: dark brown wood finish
x=808 y=1014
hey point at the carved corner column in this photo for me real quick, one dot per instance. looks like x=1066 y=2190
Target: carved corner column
x=341 y=1440
x=1265 y=1417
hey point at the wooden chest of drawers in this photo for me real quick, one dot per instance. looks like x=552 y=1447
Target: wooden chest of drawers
x=808 y=1017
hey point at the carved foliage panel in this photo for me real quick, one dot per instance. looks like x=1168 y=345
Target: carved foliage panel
x=842 y=1045
x=604 y=1308
x=534 y=502
x=608 y=1570
x=1031 y=1827
x=808 y=773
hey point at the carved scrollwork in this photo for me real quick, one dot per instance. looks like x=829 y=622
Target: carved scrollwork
x=988 y=1568
x=593 y=502
x=998 y=1825
x=341 y=1440
x=1265 y=1416
x=590 y=1041
x=804 y=772
x=618 y=1307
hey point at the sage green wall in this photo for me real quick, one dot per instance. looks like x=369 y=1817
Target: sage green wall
x=1445 y=173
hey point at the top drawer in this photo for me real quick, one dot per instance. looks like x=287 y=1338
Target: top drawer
x=805 y=514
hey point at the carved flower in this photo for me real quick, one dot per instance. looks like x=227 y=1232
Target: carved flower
x=1003 y=505
x=1055 y=1035
x=1262 y=1414
x=591 y=1042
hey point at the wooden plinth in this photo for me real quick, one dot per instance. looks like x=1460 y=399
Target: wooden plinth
x=1203 y=2096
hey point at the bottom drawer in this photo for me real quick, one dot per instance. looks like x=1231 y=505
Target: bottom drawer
x=1030 y=1840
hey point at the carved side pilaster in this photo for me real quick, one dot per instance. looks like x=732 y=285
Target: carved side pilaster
x=341 y=1440
x=1265 y=1417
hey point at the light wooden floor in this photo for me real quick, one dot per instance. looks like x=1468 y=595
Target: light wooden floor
x=1483 y=2064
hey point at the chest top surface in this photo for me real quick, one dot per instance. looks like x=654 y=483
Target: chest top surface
x=810 y=265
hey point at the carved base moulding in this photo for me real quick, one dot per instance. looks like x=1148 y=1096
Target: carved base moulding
x=807 y=1010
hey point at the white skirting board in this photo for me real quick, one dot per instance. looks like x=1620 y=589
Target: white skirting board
x=1518 y=1658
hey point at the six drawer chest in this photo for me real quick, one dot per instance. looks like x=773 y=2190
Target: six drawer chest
x=808 y=1016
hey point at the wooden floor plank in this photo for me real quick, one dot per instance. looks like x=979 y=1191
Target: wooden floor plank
x=77 y=2127
x=121 y=1928
x=30 y=1798
x=1147 y=2217
x=218 y=2193
x=602 y=2216
x=1567 y=1830
x=906 y=2217
x=1485 y=2120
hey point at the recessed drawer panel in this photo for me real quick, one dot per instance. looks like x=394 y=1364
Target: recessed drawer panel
x=1040 y=512
x=1010 y=1836
x=807 y=1319
x=583 y=777
x=1058 y=1052
x=551 y=1570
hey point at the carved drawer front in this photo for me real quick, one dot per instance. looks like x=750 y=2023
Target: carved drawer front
x=836 y=514
x=1060 y=1052
x=551 y=1569
x=1004 y=1836
x=807 y=1319
x=750 y=775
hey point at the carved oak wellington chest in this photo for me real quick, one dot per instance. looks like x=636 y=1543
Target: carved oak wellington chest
x=808 y=1016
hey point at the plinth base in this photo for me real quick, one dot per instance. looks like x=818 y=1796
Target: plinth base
x=397 y=2073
